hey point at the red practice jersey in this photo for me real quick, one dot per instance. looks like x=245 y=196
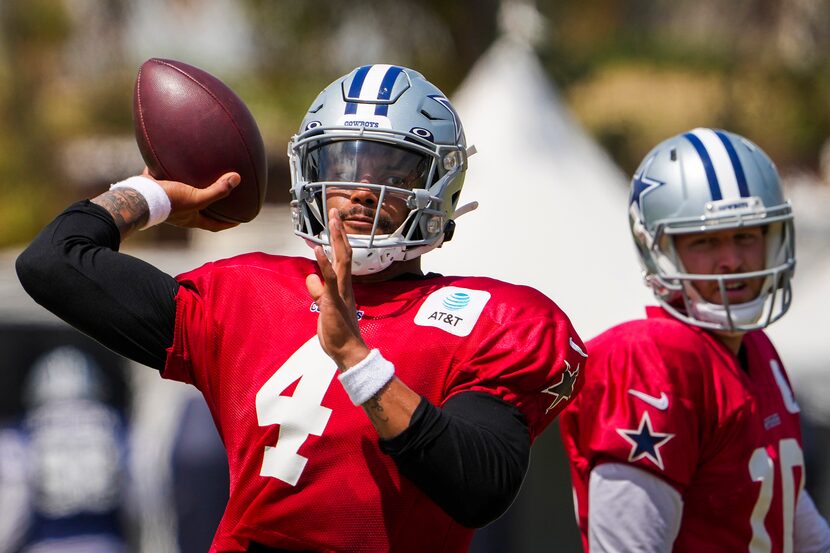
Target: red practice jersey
x=669 y=398
x=306 y=470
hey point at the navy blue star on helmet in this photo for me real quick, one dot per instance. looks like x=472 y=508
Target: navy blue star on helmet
x=641 y=184
x=645 y=442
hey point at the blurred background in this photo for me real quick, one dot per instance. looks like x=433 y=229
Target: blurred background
x=562 y=99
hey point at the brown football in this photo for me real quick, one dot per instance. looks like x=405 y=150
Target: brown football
x=191 y=127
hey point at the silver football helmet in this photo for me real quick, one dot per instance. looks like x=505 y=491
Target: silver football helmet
x=711 y=180
x=391 y=113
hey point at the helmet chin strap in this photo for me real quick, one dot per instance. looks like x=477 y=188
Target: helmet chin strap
x=729 y=318
x=367 y=261
x=742 y=314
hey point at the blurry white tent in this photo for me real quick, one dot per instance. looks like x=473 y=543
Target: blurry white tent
x=553 y=215
x=552 y=211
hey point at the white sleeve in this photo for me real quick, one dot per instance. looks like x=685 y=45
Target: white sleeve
x=630 y=509
x=812 y=534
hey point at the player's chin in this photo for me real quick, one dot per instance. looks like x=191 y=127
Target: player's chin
x=361 y=228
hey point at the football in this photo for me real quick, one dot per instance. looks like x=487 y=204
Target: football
x=191 y=127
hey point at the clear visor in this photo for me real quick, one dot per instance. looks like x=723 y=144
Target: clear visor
x=367 y=161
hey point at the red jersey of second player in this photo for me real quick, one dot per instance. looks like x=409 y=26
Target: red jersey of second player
x=669 y=398
x=306 y=470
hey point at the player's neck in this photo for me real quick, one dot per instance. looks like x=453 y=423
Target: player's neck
x=396 y=269
x=731 y=340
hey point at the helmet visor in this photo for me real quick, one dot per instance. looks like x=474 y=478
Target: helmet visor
x=367 y=161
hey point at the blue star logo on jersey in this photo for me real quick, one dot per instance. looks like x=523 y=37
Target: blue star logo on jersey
x=563 y=389
x=645 y=442
x=642 y=184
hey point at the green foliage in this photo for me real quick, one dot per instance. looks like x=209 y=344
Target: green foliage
x=636 y=72
x=633 y=71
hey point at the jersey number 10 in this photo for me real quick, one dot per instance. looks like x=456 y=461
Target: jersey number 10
x=762 y=469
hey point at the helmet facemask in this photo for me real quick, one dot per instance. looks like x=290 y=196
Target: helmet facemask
x=675 y=288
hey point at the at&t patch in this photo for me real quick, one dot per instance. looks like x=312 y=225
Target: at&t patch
x=453 y=309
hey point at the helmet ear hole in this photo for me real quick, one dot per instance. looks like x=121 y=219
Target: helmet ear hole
x=449 y=230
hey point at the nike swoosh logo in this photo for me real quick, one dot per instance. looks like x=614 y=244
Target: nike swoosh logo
x=661 y=402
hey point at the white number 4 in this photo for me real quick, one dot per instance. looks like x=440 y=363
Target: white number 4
x=761 y=469
x=299 y=414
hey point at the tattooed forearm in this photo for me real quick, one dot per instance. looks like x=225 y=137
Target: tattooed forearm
x=375 y=411
x=390 y=410
x=128 y=208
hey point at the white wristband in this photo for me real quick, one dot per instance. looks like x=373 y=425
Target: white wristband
x=365 y=380
x=153 y=193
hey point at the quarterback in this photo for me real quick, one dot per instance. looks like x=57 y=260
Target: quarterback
x=363 y=404
x=686 y=436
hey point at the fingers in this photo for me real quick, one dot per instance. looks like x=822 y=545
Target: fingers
x=222 y=188
x=337 y=272
x=315 y=286
x=326 y=268
x=185 y=198
x=342 y=255
x=338 y=238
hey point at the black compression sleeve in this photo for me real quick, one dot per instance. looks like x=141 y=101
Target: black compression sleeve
x=74 y=270
x=470 y=457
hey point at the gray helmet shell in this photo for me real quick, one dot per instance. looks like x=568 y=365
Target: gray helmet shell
x=710 y=180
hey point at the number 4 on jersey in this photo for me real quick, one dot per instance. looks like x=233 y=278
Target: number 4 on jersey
x=299 y=414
